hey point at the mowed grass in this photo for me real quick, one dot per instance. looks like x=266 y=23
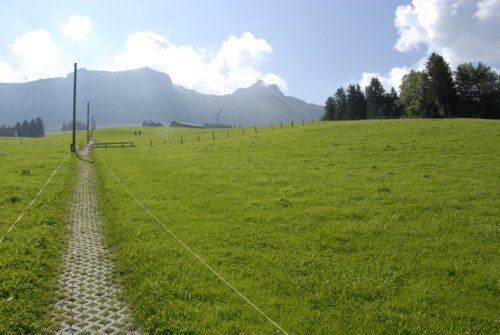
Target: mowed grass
x=335 y=228
x=30 y=252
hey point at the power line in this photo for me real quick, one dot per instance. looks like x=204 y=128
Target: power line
x=33 y=201
x=190 y=250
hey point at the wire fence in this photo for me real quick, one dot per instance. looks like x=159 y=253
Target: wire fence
x=153 y=137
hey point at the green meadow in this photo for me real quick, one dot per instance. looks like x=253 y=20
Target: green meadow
x=327 y=228
x=30 y=251
x=342 y=227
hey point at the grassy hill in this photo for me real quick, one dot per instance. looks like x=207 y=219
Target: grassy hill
x=37 y=175
x=347 y=227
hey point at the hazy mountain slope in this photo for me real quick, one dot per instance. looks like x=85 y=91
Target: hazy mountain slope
x=130 y=97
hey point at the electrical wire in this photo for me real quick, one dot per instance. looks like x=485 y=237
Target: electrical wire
x=190 y=250
x=36 y=196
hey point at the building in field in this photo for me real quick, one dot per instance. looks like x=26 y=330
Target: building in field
x=8 y=132
x=181 y=124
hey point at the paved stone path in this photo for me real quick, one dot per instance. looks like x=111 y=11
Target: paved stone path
x=88 y=297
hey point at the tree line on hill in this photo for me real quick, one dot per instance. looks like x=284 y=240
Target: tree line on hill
x=79 y=125
x=218 y=125
x=33 y=128
x=69 y=126
x=150 y=123
x=436 y=91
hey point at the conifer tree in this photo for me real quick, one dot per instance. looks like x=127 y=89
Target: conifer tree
x=329 y=110
x=340 y=104
x=441 y=86
x=39 y=127
x=375 y=99
x=356 y=103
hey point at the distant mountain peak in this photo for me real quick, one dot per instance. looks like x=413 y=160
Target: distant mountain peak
x=132 y=96
x=262 y=83
x=260 y=88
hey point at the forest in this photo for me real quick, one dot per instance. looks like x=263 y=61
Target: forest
x=33 y=128
x=435 y=92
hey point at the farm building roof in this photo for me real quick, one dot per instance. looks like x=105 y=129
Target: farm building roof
x=185 y=124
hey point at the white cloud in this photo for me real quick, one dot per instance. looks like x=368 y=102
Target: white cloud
x=6 y=72
x=272 y=78
x=460 y=30
x=182 y=63
x=244 y=52
x=36 y=49
x=77 y=27
x=235 y=64
x=411 y=32
x=488 y=9
x=390 y=80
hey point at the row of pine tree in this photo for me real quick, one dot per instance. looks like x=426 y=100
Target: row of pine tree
x=469 y=91
x=33 y=128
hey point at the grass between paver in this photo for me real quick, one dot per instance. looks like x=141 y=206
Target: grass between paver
x=29 y=254
x=347 y=227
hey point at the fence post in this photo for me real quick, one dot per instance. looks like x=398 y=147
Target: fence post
x=281 y=125
x=255 y=129
x=182 y=142
x=292 y=124
x=213 y=136
x=302 y=122
x=164 y=141
x=198 y=138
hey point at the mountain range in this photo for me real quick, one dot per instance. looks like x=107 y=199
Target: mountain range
x=133 y=96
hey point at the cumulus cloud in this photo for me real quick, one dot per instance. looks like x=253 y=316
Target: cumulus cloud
x=36 y=49
x=459 y=30
x=391 y=80
x=488 y=9
x=142 y=49
x=272 y=78
x=6 y=72
x=77 y=27
x=235 y=64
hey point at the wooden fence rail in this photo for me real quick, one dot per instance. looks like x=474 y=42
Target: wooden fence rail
x=106 y=145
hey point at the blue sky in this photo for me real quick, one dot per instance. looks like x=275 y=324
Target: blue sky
x=309 y=48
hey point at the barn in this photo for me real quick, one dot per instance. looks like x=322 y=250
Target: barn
x=181 y=124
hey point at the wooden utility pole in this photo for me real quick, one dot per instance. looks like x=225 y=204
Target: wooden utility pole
x=73 y=145
x=88 y=135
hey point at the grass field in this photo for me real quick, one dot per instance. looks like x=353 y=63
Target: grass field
x=29 y=252
x=331 y=228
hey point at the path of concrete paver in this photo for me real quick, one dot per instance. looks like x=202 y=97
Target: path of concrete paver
x=88 y=297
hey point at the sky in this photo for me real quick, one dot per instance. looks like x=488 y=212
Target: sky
x=309 y=48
